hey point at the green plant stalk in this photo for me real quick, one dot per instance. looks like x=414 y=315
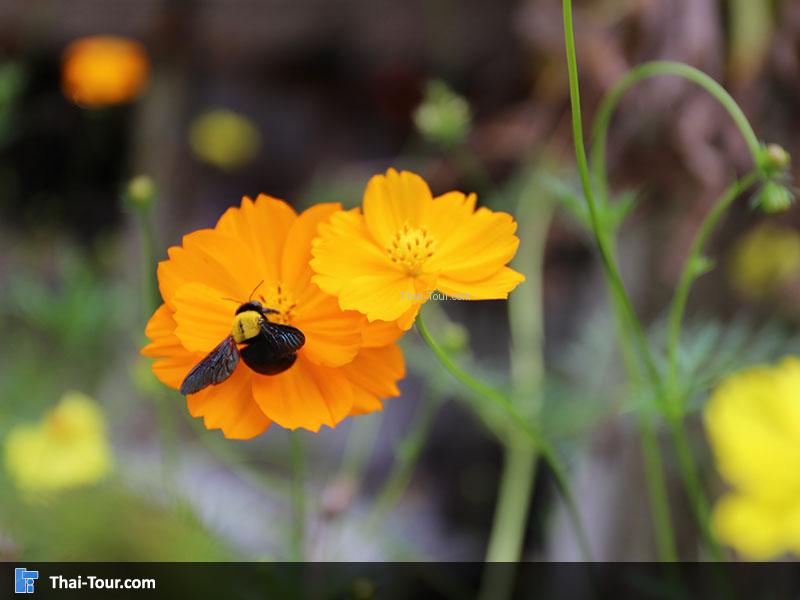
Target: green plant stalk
x=527 y=373
x=644 y=71
x=406 y=458
x=613 y=277
x=619 y=294
x=653 y=461
x=298 y=495
x=533 y=435
x=690 y=272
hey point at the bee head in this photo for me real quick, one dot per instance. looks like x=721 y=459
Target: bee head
x=246 y=325
x=252 y=305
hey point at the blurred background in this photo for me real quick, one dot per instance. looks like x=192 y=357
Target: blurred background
x=305 y=100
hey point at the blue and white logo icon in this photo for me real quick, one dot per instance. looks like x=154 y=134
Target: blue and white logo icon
x=24 y=580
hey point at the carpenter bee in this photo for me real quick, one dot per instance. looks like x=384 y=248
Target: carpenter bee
x=268 y=348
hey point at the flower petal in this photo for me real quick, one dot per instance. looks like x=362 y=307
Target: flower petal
x=263 y=226
x=494 y=287
x=380 y=333
x=477 y=248
x=374 y=374
x=212 y=258
x=230 y=406
x=306 y=395
x=295 y=270
x=384 y=297
x=203 y=318
x=333 y=336
x=394 y=199
x=346 y=250
x=173 y=360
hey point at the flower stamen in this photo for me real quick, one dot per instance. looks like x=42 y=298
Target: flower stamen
x=277 y=297
x=411 y=247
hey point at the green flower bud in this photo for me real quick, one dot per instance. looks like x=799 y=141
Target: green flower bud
x=141 y=192
x=773 y=160
x=774 y=198
x=444 y=117
x=455 y=337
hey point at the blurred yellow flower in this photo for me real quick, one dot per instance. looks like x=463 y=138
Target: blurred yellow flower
x=753 y=426
x=224 y=138
x=68 y=448
x=764 y=260
x=103 y=70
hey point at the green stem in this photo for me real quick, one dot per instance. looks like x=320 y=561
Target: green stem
x=691 y=271
x=645 y=71
x=657 y=489
x=616 y=285
x=406 y=457
x=533 y=435
x=298 y=530
x=619 y=294
x=526 y=316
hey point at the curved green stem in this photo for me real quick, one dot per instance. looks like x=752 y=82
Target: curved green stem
x=691 y=268
x=524 y=426
x=644 y=71
x=619 y=294
x=616 y=285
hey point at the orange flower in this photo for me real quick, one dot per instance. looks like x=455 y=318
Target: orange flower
x=346 y=366
x=385 y=261
x=103 y=70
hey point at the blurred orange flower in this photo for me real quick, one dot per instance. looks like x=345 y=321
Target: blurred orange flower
x=103 y=70
x=386 y=261
x=346 y=366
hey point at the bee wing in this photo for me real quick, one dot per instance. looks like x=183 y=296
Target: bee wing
x=214 y=368
x=282 y=340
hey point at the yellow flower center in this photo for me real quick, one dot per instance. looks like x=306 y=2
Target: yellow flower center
x=277 y=297
x=411 y=247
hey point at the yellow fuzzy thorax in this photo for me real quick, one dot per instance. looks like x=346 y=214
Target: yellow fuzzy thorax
x=246 y=325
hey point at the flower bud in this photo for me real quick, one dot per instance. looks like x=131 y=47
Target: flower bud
x=444 y=117
x=455 y=337
x=141 y=191
x=774 y=197
x=773 y=159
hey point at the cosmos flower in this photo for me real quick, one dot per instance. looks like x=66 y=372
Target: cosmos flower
x=68 y=448
x=345 y=367
x=753 y=426
x=385 y=260
x=103 y=70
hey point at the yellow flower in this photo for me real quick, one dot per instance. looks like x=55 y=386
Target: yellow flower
x=68 y=448
x=224 y=138
x=753 y=425
x=765 y=260
x=385 y=261
x=103 y=70
x=345 y=367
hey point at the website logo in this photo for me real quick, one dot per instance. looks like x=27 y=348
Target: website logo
x=24 y=580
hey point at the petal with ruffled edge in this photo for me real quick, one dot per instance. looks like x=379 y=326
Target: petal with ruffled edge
x=262 y=225
x=173 y=361
x=203 y=318
x=374 y=375
x=494 y=287
x=393 y=200
x=215 y=259
x=307 y=396
x=295 y=269
x=230 y=406
x=477 y=248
